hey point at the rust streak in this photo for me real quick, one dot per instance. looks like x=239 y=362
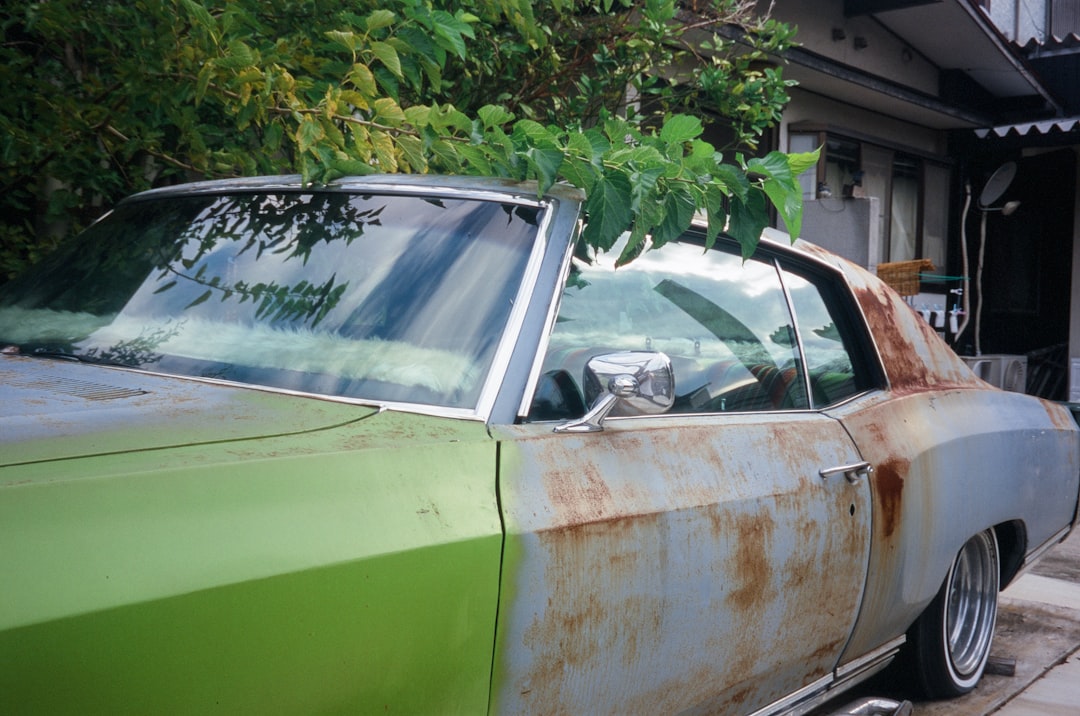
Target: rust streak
x=1059 y=416
x=888 y=492
x=915 y=358
x=750 y=565
x=579 y=492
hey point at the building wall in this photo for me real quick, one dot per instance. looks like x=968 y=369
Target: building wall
x=865 y=46
x=883 y=54
x=1032 y=293
x=814 y=108
x=832 y=217
x=846 y=226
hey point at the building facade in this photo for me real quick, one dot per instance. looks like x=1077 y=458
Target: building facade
x=947 y=130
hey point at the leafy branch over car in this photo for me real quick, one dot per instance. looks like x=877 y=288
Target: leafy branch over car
x=607 y=95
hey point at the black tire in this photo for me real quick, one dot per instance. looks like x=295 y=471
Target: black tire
x=950 y=642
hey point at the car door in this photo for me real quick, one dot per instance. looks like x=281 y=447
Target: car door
x=708 y=559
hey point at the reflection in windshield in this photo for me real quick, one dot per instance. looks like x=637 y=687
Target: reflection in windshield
x=383 y=297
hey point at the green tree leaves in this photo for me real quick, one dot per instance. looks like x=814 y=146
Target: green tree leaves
x=780 y=183
x=609 y=209
x=103 y=104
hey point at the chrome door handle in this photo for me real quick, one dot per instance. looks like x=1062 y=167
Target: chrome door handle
x=853 y=472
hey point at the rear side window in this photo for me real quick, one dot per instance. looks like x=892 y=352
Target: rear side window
x=829 y=350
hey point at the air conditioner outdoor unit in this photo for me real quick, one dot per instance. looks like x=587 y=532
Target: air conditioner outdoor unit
x=1004 y=370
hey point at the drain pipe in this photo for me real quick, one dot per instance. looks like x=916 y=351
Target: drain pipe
x=966 y=290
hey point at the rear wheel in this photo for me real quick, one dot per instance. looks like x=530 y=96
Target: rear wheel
x=951 y=640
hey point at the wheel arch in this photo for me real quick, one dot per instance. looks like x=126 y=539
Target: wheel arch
x=1012 y=546
x=949 y=644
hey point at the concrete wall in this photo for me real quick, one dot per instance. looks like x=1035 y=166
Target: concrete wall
x=849 y=227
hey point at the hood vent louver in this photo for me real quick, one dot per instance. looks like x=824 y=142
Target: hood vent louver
x=79 y=388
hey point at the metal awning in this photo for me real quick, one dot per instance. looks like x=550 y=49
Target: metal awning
x=956 y=34
x=1066 y=125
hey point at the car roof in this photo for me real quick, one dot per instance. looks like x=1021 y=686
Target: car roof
x=412 y=183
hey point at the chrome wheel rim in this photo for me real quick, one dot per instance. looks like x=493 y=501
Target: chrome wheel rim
x=972 y=606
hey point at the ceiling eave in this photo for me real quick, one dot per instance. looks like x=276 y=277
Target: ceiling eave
x=957 y=35
x=855 y=87
x=953 y=36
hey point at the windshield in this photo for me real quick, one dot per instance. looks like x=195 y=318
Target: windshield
x=381 y=297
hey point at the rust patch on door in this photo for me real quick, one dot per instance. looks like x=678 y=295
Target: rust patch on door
x=751 y=571
x=593 y=615
x=578 y=491
x=679 y=565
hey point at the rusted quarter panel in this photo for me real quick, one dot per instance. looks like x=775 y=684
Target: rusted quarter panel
x=953 y=456
x=672 y=564
x=913 y=355
x=947 y=466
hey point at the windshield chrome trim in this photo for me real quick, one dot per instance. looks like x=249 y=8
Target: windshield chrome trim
x=485 y=188
x=549 y=325
x=516 y=320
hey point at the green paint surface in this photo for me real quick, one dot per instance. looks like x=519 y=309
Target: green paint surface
x=348 y=570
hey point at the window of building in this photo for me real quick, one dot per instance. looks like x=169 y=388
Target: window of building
x=842 y=162
x=904 y=201
x=912 y=190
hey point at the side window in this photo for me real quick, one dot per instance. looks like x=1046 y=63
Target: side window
x=723 y=322
x=826 y=339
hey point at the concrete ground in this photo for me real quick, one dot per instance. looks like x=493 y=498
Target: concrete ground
x=1046 y=602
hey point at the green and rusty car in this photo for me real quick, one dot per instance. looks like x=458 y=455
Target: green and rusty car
x=396 y=445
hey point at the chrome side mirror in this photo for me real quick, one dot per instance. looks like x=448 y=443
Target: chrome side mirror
x=624 y=384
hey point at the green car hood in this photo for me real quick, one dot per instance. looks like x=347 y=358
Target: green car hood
x=210 y=549
x=55 y=410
